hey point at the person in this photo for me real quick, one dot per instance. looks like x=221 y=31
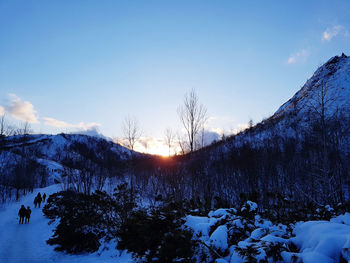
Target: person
x=22 y=213
x=39 y=199
x=44 y=197
x=35 y=201
x=28 y=212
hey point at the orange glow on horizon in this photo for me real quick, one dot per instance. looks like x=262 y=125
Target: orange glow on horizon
x=154 y=146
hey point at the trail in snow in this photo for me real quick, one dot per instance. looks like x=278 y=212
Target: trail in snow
x=27 y=242
x=24 y=242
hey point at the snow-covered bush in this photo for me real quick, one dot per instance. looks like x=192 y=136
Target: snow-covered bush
x=239 y=236
x=82 y=220
x=156 y=235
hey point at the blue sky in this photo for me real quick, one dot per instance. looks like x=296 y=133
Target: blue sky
x=86 y=64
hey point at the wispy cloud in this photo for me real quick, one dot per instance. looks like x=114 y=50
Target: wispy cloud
x=300 y=56
x=56 y=123
x=80 y=126
x=2 y=110
x=22 y=110
x=334 y=31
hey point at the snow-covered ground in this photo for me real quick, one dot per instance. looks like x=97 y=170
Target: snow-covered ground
x=27 y=242
x=316 y=241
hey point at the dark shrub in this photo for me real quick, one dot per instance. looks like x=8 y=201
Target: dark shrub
x=84 y=220
x=157 y=236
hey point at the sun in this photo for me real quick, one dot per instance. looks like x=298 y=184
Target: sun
x=154 y=146
x=159 y=150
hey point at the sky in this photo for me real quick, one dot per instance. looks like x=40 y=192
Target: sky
x=85 y=65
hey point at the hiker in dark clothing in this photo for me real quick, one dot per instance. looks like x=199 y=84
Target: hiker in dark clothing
x=39 y=199
x=22 y=213
x=35 y=201
x=44 y=197
x=28 y=212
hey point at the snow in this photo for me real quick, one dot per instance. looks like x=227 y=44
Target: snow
x=27 y=242
x=235 y=258
x=55 y=170
x=317 y=241
x=323 y=240
x=274 y=239
x=334 y=74
x=342 y=219
x=222 y=212
x=251 y=206
x=219 y=238
x=258 y=233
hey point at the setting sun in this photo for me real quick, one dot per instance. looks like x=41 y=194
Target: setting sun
x=154 y=146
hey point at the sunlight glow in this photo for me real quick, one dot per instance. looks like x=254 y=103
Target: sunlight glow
x=155 y=146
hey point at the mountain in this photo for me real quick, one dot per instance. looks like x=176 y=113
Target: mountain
x=300 y=153
x=326 y=95
x=56 y=155
x=305 y=140
x=333 y=78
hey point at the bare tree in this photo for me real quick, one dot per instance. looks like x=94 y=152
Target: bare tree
x=24 y=128
x=5 y=128
x=2 y=126
x=27 y=128
x=193 y=116
x=131 y=131
x=323 y=113
x=169 y=138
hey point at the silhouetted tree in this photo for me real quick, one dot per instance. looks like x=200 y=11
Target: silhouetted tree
x=131 y=131
x=193 y=116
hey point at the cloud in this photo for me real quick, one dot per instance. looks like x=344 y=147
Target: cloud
x=56 y=123
x=22 y=110
x=211 y=136
x=92 y=131
x=298 y=57
x=333 y=32
x=81 y=126
x=2 y=110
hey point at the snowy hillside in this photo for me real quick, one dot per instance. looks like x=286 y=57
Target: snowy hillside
x=300 y=154
x=334 y=78
x=49 y=146
x=325 y=94
x=53 y=155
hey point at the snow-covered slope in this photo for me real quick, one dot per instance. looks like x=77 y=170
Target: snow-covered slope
x=328 y=89
x=55 y=152
x=329 y=85
x=50 y=145
x=334 y=78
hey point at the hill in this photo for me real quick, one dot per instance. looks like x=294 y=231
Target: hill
x=28 y=161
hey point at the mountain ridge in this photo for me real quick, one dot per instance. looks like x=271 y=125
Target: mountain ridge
x=334 y=74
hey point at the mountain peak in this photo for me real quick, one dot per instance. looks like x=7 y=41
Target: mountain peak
x=334 y=76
